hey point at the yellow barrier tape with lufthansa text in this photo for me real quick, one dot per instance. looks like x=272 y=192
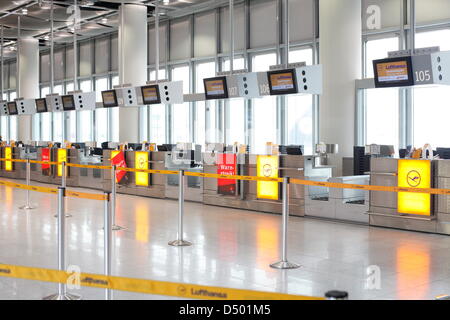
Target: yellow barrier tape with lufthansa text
x=171 y=172
x=83 y=195
x=224 y=176
x=31 y=188
x=368 y=188
x=75 y=165
x=162 y=288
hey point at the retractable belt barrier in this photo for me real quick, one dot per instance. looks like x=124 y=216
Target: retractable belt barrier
x=162 y=288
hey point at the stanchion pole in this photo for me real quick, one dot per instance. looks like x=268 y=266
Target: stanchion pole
x=180 y=242
x=108 y=240
x=284 y=263
x=115 y=227
x=62 y=287
x=28 y=206
x=63 y=184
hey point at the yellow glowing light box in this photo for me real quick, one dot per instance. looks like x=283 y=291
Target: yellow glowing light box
x=141 y=162
x=62 y=157
x=8 y=155
x=414 y=174
x=267 y=166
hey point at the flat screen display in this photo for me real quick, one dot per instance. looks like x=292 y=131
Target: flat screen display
x=109 y=99
x=12 y=108
x=150 y=94
x=282 y=82
x=41 y=105
x=68 y=103
x=393 y=72
x=216 y=88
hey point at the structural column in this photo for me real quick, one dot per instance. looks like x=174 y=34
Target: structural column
x=27 y=82
x=341 y=57
x=132 y=63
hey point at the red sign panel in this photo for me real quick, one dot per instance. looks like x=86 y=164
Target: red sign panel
x=226 y=165
x=45 y=158
x=119 y=161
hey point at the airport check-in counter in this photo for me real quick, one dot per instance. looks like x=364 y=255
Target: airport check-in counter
x=420 y=212
x=12 y=170
x=138 y=184
x=246 y=196
x=89 y=177
x=68 y=156
x=43 y=172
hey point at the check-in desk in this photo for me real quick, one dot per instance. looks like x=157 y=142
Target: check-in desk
x=89 y=177
x=410 y=211
x=139 y=184
x=247 y=191
x=43 y=172
x=72 y=173
x=12 y=170
x=25 y=153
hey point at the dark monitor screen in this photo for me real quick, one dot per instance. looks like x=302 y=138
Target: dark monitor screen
x=41 y=105
x=68 y=103
x=393 y=72
x=282 y=82
x=216 y=88
x=444 y=153
x=151 y=95
x=12 y=108
x=109 y=98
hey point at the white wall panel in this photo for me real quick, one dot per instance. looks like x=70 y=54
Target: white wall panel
x=263 y=23
x=162 y=44
x=205 y=34
x=101 y=55
x=300 y=20
x=115 y=53
x=12 y=75
x=69 y=62
x=429 y=11
x=180 y=39
x=85 y=58
x=239 y=28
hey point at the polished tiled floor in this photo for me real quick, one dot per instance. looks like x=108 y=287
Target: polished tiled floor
x=232 y=248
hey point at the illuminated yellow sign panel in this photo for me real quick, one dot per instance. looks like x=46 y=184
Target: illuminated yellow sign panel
x=141 y=162
x=62 y=157
x=267 y=166
x=414 y=174
x=114 y=153
x=8 y=155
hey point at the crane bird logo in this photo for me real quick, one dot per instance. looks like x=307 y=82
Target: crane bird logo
x=414 y=179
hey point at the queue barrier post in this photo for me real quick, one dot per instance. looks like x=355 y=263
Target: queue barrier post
x=63 y=184
x=115 y=227
x=284 y=263
x=180 y=242
x=62 y=287
x=336 y=295
x=28 y=206
x=108 y=228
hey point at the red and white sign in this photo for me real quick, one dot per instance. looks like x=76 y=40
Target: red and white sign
x=226 y=165
x=119 y=161
x=45 y=158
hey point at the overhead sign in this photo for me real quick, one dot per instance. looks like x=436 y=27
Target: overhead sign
x=8 y=155
x=118 y=159
x=226 y=165
x=414 y=174
x=141 y=162
x=267 y=166
x=62 y=157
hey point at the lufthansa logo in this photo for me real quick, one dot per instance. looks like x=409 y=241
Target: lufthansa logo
x=414 y=179
x=267 y=170
x=181 y=290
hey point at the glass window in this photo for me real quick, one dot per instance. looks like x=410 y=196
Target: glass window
x=101 y=115
x=46 y=119
x=205 y=115
x=114 y=114
x=238 y=64
x=161 y=75
x=264 y=110
x=301 y=55
x=378 y=49
x=431 y=104
x=58 y=118
x=158 y=123
x=180 y=112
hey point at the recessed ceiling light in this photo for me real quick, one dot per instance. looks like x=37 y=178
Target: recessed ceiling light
x=24 y=11
x=46 y=37
x=104 y=20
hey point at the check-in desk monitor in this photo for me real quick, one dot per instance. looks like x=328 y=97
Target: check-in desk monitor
x=216 y=88
x=151 y=94
x=282 y=82
x=12 y=108
x=41 y=105
x=109 y=98
x=68 y=103
x=393 y=72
